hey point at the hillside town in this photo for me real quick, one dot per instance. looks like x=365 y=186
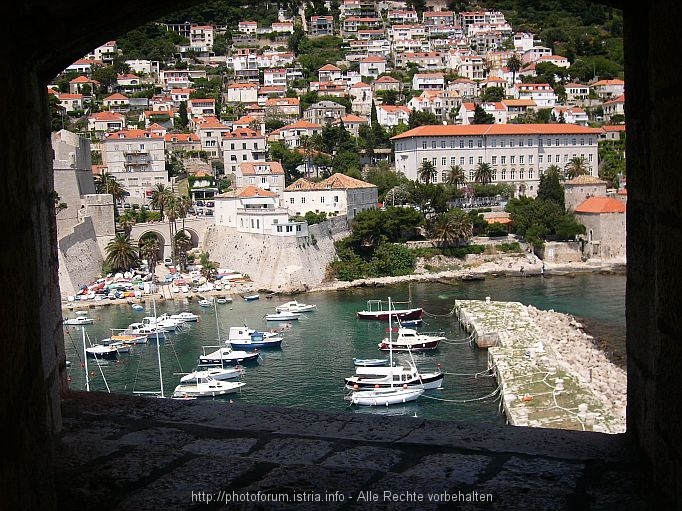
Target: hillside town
x=274 y=162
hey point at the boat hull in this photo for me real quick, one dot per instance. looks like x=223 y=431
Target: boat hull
x=427 y=381
x=390 y=396
x=216 y=360
x=416 y=346
x=245 y=345
x=384 y=315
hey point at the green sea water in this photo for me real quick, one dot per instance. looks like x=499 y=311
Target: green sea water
x=319 y=348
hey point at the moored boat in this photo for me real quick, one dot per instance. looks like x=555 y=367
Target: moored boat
x=245 y=338
x=385 y=397
x=282 y=316
x=378 y=310
x=409 y=339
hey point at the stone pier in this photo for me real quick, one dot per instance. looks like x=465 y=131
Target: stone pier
x=543 y=362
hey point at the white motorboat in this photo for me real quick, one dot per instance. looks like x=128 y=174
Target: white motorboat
x=102 y=352
x=206 y=386
x=185 y=316
x=245 y=338
x=409 y=339
x=282 y=316
x=79 y=320
x=403 y=373
x=295 y=306
x=217 y=373
x=385 y=397
x=223 y=299
x=225 y=355
x=150 y=331
x=205 y=303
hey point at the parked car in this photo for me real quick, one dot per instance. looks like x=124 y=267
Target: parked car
x=167 y=261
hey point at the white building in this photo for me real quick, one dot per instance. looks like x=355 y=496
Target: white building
x=337 y=195
x=516 y=153
x=254 y=210
x=242 y=145
x=268 y=175
x=136 y=158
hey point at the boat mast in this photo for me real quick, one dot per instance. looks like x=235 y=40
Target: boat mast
x=390 y=339
x=158 y=350
x=85 y=357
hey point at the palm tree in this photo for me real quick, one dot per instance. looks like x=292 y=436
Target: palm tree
x=126 y=223
x=556 y=170
x=514 y=65
x=450 y=227
x=425 y=171
x=577 y=166
x=484 y=174
x=456 y=176
x=149 y=250
x=184 y=205
x=173 y=210
x=183 y=243
x=121 y=253
x=160 y=195
x=106 y=183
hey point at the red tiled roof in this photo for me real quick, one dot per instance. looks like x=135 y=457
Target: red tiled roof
x=601 y=205
x=496 y=129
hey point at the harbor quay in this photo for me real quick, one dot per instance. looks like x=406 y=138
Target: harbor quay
x=550 y=372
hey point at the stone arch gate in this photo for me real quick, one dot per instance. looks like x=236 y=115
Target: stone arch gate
x=194 y=227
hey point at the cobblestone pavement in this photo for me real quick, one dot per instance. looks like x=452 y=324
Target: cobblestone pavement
x=139 y=453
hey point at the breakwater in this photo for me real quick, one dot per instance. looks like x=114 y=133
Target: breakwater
x=552 y=373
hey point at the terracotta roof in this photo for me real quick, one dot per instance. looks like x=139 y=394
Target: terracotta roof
x=249 y=168
x=329 y=67
x=386 y=78
x=601 y=205
x=116 y=96
x=335 y=181
x=496 y=129
x=585 y=179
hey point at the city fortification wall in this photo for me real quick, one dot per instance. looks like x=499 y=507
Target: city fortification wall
x=279 y=264
x=80 y=257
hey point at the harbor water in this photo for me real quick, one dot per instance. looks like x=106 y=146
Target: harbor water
x=317 y=353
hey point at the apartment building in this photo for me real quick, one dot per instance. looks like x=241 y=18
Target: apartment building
x=516 y=153
x=242 y=145
x=136 y=158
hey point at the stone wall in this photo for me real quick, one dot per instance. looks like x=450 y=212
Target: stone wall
x=560 y=252
x=80 y=258
x=277 y=264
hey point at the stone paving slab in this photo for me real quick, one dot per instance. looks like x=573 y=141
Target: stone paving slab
x=137 y=453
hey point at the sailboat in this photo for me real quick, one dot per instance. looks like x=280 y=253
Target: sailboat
x=385 y=396
x=160 y=393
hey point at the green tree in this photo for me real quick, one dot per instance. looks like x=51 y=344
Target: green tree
x=482 y=117
x=456 y=176
x=484 y=173
x=550 y=188
x=121 y=253
x=149 y=250
x=106 y=183
x=392 y=260
x=514 y=64
x=492 y=94
x=577 y=166
x=183 y=244
x=426 y=171
x=450 y=227
x=161 y=195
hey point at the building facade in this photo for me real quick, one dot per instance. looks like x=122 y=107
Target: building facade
x=516 y=153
